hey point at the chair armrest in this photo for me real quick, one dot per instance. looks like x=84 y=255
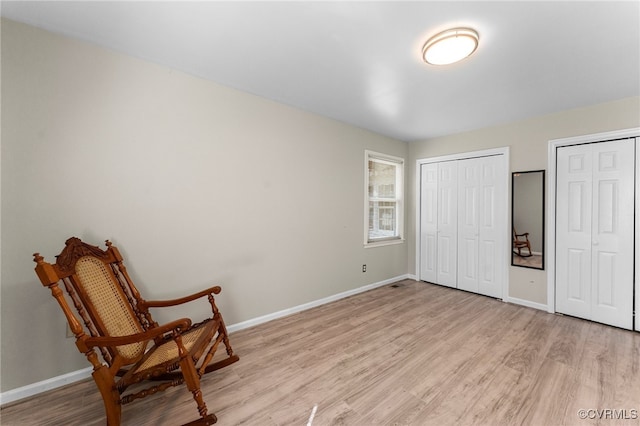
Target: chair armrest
x=177 y=325
x=174 y=302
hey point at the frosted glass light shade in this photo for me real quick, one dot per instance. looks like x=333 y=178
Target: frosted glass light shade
x=450 y=46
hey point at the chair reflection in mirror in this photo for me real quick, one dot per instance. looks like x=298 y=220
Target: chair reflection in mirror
x=527 y=219
x=521 y=241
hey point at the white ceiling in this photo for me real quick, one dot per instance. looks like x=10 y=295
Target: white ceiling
x=360 y=62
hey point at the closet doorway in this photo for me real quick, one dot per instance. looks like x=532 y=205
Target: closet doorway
x=593 y=196
x=462 y=221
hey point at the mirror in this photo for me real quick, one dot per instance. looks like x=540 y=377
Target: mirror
x=527 y=219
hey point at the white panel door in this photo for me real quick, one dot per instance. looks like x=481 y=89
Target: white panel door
x=637 y=242
x=594 y=238
x=428 y=222
x=447 y=224
x=469 y=187
x=492 y=220
x=573 y=230
x=481 y=219
x=612 y=241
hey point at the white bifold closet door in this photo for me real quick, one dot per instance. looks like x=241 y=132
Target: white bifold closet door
x=481 y=221
x=428 y=222
x=594 y=231
x=439 y=222
x=637 y=235
x=462 y=224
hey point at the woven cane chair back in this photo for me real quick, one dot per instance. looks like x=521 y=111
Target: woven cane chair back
x=107 y=304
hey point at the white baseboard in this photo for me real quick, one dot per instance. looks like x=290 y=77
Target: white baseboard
x=43 y=386
x=305 y=306
x=526 y=303
x=75 y=376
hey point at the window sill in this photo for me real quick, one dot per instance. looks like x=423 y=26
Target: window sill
x=384 y=243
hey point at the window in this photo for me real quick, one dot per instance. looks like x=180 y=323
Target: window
x=384 y=189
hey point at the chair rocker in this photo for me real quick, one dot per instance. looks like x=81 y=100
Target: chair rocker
x=119 y=329
x=521 y=241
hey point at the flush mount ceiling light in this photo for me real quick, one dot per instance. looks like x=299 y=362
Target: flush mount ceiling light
x=450 y=46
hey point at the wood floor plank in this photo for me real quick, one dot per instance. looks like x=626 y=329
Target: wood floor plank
x=411 y=354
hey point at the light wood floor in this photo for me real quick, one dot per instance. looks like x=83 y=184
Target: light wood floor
x=418 y=354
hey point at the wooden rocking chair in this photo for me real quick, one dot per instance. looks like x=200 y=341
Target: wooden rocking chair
x=521 y=241
x=133 y=347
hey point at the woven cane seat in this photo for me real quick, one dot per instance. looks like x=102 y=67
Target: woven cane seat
x=167 y=353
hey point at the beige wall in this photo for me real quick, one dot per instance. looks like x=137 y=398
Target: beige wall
x=196 y=184
x=528 y=144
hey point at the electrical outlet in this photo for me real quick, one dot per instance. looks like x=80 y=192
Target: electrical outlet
x=364 y=268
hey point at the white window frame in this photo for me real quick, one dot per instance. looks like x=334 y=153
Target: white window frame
x=399 y=199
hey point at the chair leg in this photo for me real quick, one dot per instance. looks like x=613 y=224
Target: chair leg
x=222 y=329
x=192 y=381
x=110 y=395
x=231 y=357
